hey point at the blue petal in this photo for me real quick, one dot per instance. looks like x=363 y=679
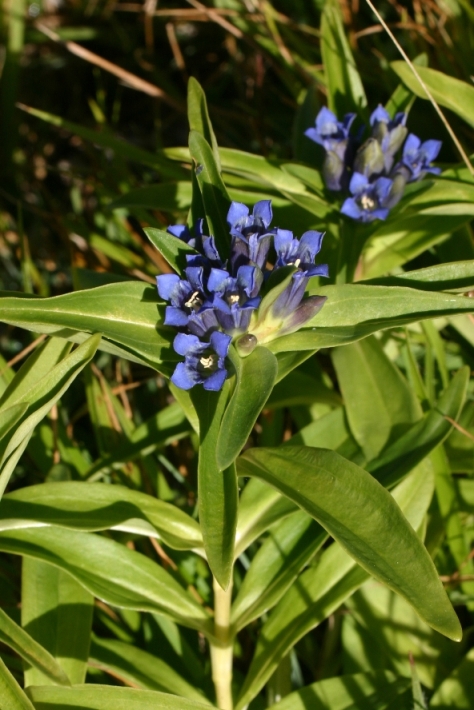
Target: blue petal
x=217 y=280
x=358 y=183
x=326 y=122
x=351 y=208
x=237 y=211
x=283 y=237
x=411 y=146
x=380 y=114
x=166 y=284
x=183 y=377
x=175 y=317
x=313 y=135
x=215 y=382
x=179 y=230
x=263 y=211
x=220 y=342
x=431 y=149
x=313 y=241
x=184 y=344
x=319 y=270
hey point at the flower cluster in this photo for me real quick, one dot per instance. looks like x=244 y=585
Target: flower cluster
x=369 y=170
x=215 y=302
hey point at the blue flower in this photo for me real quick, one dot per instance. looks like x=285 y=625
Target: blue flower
x=234 y=299
x=370 y=199
x=206 y=246
x=186 y=296
x=417 y=158
x=329 y=132
x=300 y=252
x=204 y=363
x=251 y=238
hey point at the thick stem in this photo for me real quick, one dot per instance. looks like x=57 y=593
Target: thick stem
x=221 y=650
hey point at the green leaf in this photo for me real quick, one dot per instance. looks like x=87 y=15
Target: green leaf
x=413 y=446
x=372 y=529
x=260 y=507
x=457 y=690
x=11 y=694
x=40 y=397
x=457 y=276
x=286 y=550
x=256 y=375
x=402 y=239
x=106 y=697
x=447 y=91
x=348 y=692
x=214 y=193
x=198 y=117
x=419 y=702
x=125 y=313
x=98 y=506
x=345 y=89
x=354 y=311
x=375 y=393
x=20 y=641
x=321 y=589
x=57 y=612
x=10 y=416
x=217 y=488
x=140 y=669
x=108 y=570
x=171 y=248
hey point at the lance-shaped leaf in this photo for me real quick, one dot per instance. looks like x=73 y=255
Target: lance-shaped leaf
x=57 y=612
x=106 y=697
x=20 y=641
x=452 y=93
x=110 y=571
x=214 y=193
x=321 y=589
x=363 y=517
x=217 y=488
x=171 y=248
x=353 y=311
x=125 y=313
x=98 y=506
x=40 y=397
x=12 y=696
x=198 y=117
x=345 y=89
x=255 y=377
x=140 y=668
x=455 y=276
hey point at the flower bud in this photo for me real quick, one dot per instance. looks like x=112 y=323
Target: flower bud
x=246 y=344
x=333 y=171
x=369 y=159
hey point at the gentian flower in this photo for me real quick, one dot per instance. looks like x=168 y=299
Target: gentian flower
x=251 y=238
x=235 y=299
x=370 y=199
x=186 y=295
x=204 y=363
x=417 y=157
x=300 y=252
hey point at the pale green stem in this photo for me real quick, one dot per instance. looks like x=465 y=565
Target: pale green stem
x=221 y=649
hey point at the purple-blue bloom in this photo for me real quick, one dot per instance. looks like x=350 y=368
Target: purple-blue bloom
x=251 y=238
x=328 y=131
x=236 y=298
x=185 y=295
x=300 y=252
x=417 y=157
x=369 y=199
x=390 y=133
x=204 y=363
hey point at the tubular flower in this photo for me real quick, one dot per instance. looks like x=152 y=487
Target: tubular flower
x=211 y=305
x=369 y=199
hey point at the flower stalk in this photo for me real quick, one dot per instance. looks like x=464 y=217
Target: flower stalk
x=222 y=647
